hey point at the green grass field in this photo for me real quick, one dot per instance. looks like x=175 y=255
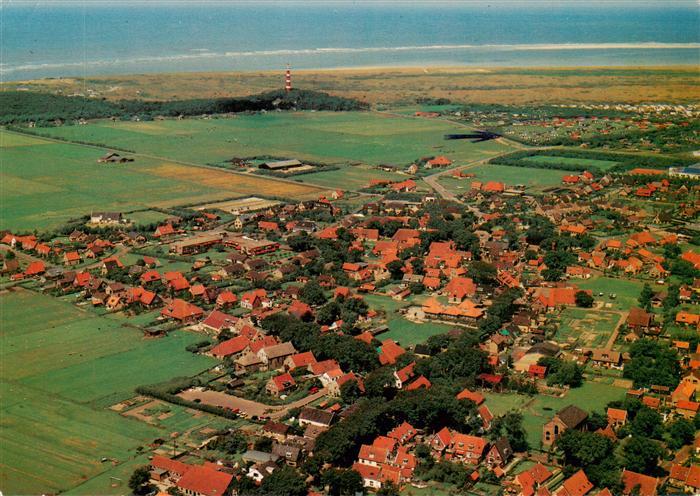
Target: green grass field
x=626 y=291
x=532 y=178
x=146 y=217
x=45 y=183
x=539 y=409
x=349 y=177
x=61 y=367
x=403 y=331
x=586 y=162
x=330 y=137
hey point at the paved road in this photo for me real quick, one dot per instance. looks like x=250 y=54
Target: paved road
x=251 y=408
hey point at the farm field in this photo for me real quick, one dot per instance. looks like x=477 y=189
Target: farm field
x=348 y=177
x=83 y=363
x=146 y=217
x=327 y=137
x=589 y=328
x=531 y=177
x=585 y=162
x=38 y=196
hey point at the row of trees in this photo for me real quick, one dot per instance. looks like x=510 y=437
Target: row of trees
x=21 y=107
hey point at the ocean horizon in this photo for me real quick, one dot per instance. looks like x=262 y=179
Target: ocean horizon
x=41 y=40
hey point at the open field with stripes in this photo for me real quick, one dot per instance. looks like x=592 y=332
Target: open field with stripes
x=45 y=183
x=54 y=412
x=328 y=137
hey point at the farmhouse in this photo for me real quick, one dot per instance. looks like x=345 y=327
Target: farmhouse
x=183 y=311
x=107 y=218
x=281 y=165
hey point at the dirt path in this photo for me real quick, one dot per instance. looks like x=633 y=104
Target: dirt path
x=616 y=331
x=249 y=407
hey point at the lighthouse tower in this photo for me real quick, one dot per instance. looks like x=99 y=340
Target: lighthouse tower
x=288 y=80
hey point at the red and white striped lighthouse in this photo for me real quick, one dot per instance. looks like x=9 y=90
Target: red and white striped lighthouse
x=288 y=80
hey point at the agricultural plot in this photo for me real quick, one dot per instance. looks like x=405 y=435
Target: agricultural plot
x=44 y=183
x=61 y=368
x=532 y=178
x=586 y=328
x=583 y=162
x=349 y=177
x=327 y=137
x=146 y=217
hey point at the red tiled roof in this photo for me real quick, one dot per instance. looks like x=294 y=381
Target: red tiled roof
x=230 y=346
x=576 y=485
x=647 y=485
x=466 y=394
x=205 y=481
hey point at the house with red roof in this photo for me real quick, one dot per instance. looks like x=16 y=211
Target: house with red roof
x=230 y=347
x=300 y=310
x=639 y=484
x=576 y=485
x=149 y=276
x=404 y=375
x=532 y=480
x=474 y=396
x=226 y=299
x=421 y=382
x=404 y=186
x=389 y=352
x=453 y=445
x=439 y=161
x=265 y=225
x=551 y=298
x=183 y=311
x=204 y=481
x=71 y=258
x=460 y=288
x=280 y=384
x=35 y=269
x=256 y=298
x=140 y=295
x=686 y=479
x=299 y=360
x=164 y=231
x=217 y=321
x=402 y=433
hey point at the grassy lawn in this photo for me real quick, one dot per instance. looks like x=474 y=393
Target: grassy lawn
x=532 y=178
x=329 y=137
x=539 y=409
x=349 y=177
x=61 y=368
x=627 y=291
x=146 y=217
x=44 y=184
x=403 y=331
x=600 y=164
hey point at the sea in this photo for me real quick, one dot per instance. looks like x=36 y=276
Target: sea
x=89 y=38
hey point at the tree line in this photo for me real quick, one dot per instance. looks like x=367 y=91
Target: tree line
x=20 y=107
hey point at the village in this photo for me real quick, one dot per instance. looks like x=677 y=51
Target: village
x=470 y=338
